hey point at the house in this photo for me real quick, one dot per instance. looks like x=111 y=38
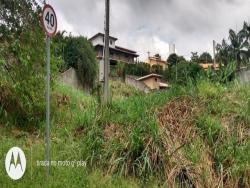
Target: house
x=117 y=53
x=156 y=60
x=147 y=83
x=153 y=81
x=206 y=66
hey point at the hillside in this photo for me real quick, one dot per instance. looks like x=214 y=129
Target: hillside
x=192 y=136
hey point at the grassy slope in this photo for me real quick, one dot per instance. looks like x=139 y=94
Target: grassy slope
x=134 y=137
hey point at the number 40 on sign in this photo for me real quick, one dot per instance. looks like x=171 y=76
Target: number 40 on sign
x=49 y=20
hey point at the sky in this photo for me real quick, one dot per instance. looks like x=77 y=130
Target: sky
x=151 y=25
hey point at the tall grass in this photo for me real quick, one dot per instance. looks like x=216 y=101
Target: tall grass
x=203 y=140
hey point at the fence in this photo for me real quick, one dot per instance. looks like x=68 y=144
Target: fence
x=244 y=76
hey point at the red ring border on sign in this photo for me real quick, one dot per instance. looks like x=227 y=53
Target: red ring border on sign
x=44 y=28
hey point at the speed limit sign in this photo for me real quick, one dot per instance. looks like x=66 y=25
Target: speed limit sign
x=49 y=23
x=49 y=20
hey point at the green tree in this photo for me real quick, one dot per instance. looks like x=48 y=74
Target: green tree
x=17 y=17
x=79 y=53
x=205 y=57
x=22 y=65
x=194 y=57
x=186 y=72
x=246 y=33
x=237 y=48
x=157 y=69
x=140 y=69
x=172 y=59
x=223 y=54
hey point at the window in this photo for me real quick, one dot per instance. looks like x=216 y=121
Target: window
x=110 y=42
x=156 y=79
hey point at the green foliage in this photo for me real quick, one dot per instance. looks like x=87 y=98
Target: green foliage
x=120 y=90
x=126 y=140
x=140 y=69
x=205 y=57
x=210 y=128
x=22 y=65
x=79 y=53
x=121 y=69
x=157 y=69
x=238 y=50
x=225 y=73
x=183 y=72
x=172 y=59
x=18 y=17
x=194 y=150
x=194 y=57
x=209 y=90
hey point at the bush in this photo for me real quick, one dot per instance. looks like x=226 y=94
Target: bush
x=223 y=75
x=22 y=65
x=79 y=53
x=157 y=69
x=183 y=72
x=140 y=69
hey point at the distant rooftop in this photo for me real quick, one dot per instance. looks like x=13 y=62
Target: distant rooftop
x=101 y=34
x=149 y=76
x=120 y=49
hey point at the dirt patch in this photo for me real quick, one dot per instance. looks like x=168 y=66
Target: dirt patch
x=112 y=131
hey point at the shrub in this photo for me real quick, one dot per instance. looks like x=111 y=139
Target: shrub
x=157 y=69
x=183 y=72
x=22 y=64
x=79 y=53
x=140 y=69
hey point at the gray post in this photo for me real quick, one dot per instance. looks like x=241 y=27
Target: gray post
x=214 y=43
x=176 y=71
x=47 y=146
x=106 y=54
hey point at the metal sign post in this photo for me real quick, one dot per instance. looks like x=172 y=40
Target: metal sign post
x=49 y=23
x=47 y=146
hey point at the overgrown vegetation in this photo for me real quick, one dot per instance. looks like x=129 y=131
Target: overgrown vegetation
x=22 y=64
x=196 y=134
x=79 y=53
x=190 y=136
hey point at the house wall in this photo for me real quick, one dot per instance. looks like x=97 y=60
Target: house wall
x=70 y=78
x=152 y=82
x=130 y=80
x=115 y=56
x=156 y=62
x=99 y=40
x=122 y=57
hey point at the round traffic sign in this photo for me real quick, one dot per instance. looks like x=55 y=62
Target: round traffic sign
x=49 y=20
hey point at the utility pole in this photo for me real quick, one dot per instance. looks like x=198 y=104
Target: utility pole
x=214 y=44
x=106 y=54
x=148 y=54
x=176 y=71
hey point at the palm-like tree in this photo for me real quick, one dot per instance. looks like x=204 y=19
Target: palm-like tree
x=246 y=33
x=223 y=55
x=238 y=47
